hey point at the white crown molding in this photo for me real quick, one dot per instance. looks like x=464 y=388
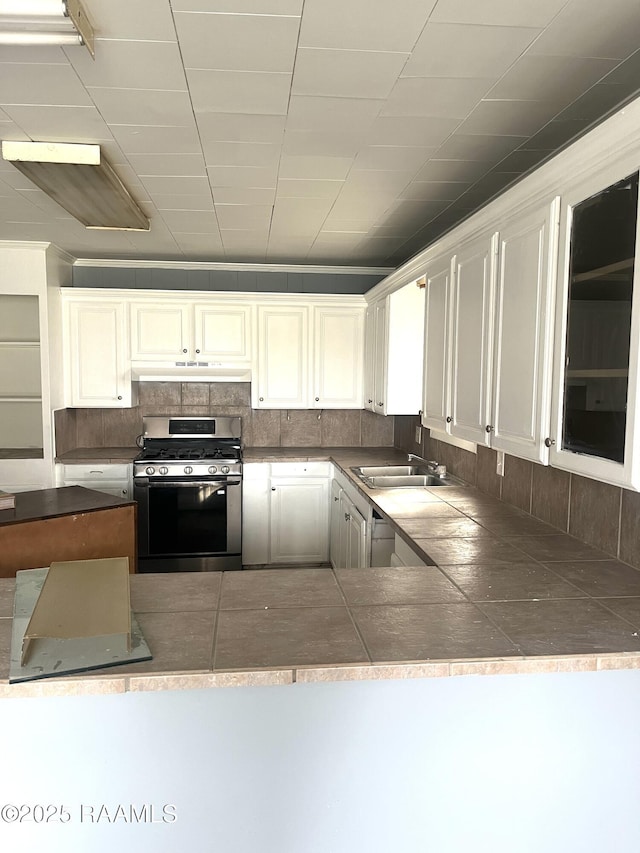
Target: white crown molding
x=206 y=265
x=356 y=300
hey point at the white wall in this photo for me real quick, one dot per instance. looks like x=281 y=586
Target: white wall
x=504 y=764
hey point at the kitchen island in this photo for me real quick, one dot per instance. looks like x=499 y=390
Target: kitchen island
x=69 y=523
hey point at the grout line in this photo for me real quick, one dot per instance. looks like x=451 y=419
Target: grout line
x=352 y=617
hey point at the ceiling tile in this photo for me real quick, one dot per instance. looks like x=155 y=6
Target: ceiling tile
x=300 y=188
x=377 y=180
x=411 y=130
x=508 y=118
x=60 y=124
x=242 y=176
x=346 y=73
x=240 y=7
x=202 y=201
x=149 y=20
x=239 y=92
x=595 y=30
x=211 y=41
x=506 y=13
x=241 y=154
x=244 y=195
x=521 y=161
x=358 y=205
x=200 y=246
x=399 y=157
x=245 y=216
x=488 y=148
x=326 y=168
x=131 y=65
x=138 y=139
x=176 y=186
x=481 y=51
x=167 y=164
x=192 y=221
x=556 y=79
x=405 y=212
x=596 y=103
x=143 y=107
x=627 y=72
x=235 y=127
x=364 y=24
x=307 y=112
x=451 y=170
x=556 y=134
x=24 y=83
x=41 y=54
x=328 y=143
x=437 y=97
x=436 y=190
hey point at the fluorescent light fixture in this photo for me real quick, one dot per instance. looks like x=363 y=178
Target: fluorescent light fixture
x=38 y=22
x=79 y=178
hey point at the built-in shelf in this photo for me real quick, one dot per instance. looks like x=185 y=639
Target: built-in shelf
x=601 y=373
x=611 y=272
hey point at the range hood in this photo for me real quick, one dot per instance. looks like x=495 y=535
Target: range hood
x=189 y=371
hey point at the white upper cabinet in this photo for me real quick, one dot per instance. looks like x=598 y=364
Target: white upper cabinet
x=309 y=357
x=394 y=352
x=594 y=425
x=98 y=367
x=523 y=333
x=436 y=404
x=337 y=358
x=282 y=373
x=190 y=331
x=472 y=307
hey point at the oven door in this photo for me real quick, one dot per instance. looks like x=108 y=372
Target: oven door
x=189 y=520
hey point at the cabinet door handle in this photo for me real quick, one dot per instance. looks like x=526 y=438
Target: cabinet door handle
x=184 y=350
x=261 y=399
x=317 y=399
x=197 y=350
x=347 y=516
x=273 y=488
x=369 y=400
x=380 y=403
x=336 y=499
x=449 y=419
x=549 y=442
x=488 y=428
x=119 y=396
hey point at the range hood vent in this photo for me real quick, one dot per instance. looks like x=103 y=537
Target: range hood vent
x=189 y=371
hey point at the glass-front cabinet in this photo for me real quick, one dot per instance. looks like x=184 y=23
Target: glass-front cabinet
x=596 y=334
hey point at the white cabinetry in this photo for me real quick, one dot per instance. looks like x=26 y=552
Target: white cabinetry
x=309 y=357
x=394 y=352
x=488 y=323
x=348 y=532
x=285 y=513
x=98 y=370
x=190 y=331
x=114 y=479
x=523 y=334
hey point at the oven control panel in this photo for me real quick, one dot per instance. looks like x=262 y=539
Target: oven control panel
x=186 y=472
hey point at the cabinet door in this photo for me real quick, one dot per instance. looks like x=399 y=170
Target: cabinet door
x=283 y=358
x=471 y=342
x=404 y=350
x=299 y=520
x=369 y=358
x=255 y=513
x=594 y=421
x=160 y=332
x=98 y=368
x=436 y=403
x=337 y=358
x=379 y=358
x=222 y=332
x=336 y=554
x=354 y=535
x=523 y=334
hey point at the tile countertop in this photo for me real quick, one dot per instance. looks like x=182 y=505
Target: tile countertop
x=509 y=594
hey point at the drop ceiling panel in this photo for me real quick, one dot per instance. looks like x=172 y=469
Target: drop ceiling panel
x=364 y=24
x=479 y=51
x=346 y=73
x=505 y=13
x=436 y=97
x=321 y=131
x=239 y=91
x=211 y=41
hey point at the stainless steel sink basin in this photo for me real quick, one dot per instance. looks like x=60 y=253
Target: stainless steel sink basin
x=402 y=477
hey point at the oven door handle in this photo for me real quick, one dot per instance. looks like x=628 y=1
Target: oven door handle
x=187 y=484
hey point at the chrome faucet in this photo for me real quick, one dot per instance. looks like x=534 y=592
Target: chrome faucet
x=432 y=465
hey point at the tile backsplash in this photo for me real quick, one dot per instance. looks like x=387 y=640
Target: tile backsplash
x=260 y=427
x=604 y=516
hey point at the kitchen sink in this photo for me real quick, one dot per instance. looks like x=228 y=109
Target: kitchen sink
x=403 y=477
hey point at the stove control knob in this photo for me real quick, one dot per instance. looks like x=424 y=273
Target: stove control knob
x=213 y=469
x=164 y=470
x=150 y=470
x=225 y=469
x=188 y=469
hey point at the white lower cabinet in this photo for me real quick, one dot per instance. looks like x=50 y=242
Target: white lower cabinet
x=285 y=513
x=113 y=479
x=348 y=542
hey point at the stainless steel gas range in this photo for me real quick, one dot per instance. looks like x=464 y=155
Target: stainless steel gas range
x=187 y=481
